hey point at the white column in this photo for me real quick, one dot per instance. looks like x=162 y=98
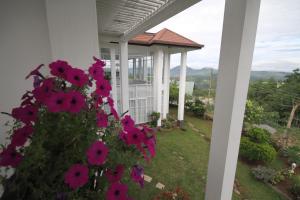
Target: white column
x=182 y=87
x=113 y=74
x=73 y=30
x=24 y=44
x=124 y=76
x=238 y=39
x=166 y=83
x=157 y=82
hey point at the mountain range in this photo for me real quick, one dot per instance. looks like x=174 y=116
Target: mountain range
x=205 y=73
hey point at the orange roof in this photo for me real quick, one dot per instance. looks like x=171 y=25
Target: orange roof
x=164 y=37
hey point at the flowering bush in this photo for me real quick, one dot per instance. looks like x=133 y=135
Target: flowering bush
x=68 y=142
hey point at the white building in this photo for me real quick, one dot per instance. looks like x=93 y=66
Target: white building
x=148 y=72
x=39 y=31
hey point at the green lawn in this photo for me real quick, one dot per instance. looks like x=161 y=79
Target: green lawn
x=181 y=160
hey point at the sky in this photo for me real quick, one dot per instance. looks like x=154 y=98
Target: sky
x=277 y=45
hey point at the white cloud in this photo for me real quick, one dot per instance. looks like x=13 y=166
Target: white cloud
x=278 y=35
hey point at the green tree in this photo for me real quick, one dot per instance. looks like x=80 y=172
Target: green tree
x=174 y=93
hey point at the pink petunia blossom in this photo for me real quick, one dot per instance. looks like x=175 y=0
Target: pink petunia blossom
x=10 y=157
x=110 y=102
x=102 y=120
x=135 y=136
x=117 y=191
x=137 y=174
x=103 y=87
x=77 y=77
x=116 y=174
x=44 y=91
x=60 y=68
x=97 y=153
x=21 y=135
x=76 y=101
x=96 y=70
x=114 y=113
x=57 y=102
x=26 y=114
x=127 y=123
x=151 y=143
x=77 y=176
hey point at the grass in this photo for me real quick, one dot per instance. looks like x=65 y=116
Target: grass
x=181 y=160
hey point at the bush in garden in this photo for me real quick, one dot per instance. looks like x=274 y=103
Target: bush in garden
x=263 y=173
x=259 y=135
x=168 y=123
x=154 y=116
x=198 y=108
x=268 y=175
x=254 y=113
x=256 y=152
x=68 y=143
x=292 y=153
x=295 y=189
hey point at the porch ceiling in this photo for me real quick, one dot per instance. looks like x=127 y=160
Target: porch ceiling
x=127 y=18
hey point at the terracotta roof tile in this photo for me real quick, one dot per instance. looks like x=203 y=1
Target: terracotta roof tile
x=164 y=37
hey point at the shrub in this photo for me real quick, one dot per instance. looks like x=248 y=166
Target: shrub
x=259 y=135
x=268 y=174
x=154 y=116
x=263 y=173
x=292 y=153
x=256 y=152
x=198 y=108
x=295 y=189
x=254 y=112
x=168 y=123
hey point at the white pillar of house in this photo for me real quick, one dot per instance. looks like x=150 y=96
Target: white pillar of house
x=182 y=87
x=73 y=30
x=238 y=39
x=124 y=76
x=166 y=84
x=157 y=82
x=113 y=74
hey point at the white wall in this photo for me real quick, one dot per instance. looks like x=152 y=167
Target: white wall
x=73 y=30
x=24 y=44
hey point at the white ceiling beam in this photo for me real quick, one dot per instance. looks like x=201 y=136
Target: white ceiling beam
x=164 y=12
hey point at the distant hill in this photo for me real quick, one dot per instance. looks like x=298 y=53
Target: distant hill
x=205 y=73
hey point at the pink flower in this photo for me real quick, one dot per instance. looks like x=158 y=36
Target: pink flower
x=117 y=191
x=21 y=135
x=135 y=136
x=102 y=120
x=114 y=113
x=77 y=77
x=103 y=87
x=97 y=100
x=44 y=91
x=123 y=137
x=10 y=157
x=35 y=72
x=110 y=101
x=127 y=123
x=116 y=174
x=97 y=153
x=96 y=70
x=76 y=101
x=150 y=143
x=77 y=176
x=60 y=68
x=57 y=102
x=137 y=174
x=25 y=114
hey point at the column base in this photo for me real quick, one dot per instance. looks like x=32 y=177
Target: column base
x=180 y=123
